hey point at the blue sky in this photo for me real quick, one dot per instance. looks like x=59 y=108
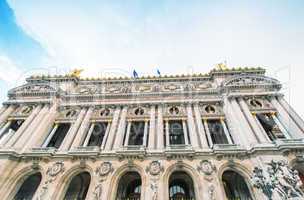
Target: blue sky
x=176 y=36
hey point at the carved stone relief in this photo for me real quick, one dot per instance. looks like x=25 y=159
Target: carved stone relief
x=102 y=172
x=278 y=181
x=51 y=173
x=154 y=168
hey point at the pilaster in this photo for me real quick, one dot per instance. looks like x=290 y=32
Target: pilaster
x=121 y=128
x=192 y=130
x=152 y=128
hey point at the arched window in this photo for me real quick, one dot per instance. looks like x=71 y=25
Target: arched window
x=235 y=186
x=181 y=187
x=78 y=187
x=28 y=187
x=129 y=187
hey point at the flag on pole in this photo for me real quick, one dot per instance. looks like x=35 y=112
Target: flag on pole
x=158 y=72
x=135 y=75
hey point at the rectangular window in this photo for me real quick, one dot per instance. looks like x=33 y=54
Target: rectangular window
x=98 y=133
x=58 y=136
x=269 y=125
x=176 y=132
x=137 y=130
x=217 y=132
x=10 y=128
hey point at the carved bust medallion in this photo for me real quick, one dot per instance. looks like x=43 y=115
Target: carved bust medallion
x=104 y=169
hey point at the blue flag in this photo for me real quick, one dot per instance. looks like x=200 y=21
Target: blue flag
x=158 y=72
x=135 y=75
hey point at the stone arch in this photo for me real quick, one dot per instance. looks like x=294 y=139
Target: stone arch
x=180 y=167
x=119 y=173
x=14 y=184
x=244 y=172
x=67 y=177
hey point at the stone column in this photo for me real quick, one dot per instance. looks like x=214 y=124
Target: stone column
x=70 y=136
x=201 y=131
x=167 y=134
x=106 y=135
x=208 y=133
x=6 y=113
x=241 y=121
x=160 y=128
x=41 y=132
x=88 y=136
x=81 y=134
x=281 y=126
x=4 y=137
x=145 y=133
x=3 y=108
x=151 y=141
x=292 y=113
x=50 y=136
x=284 y=117
x=260 y=134
x=192 y=130
x=185 y=132
x=28 y=133
x=121 y=129
x=128 y=133
x=226 y=131
x=17 y=135
x=110 y=139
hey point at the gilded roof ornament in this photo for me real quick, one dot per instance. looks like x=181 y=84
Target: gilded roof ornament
x=222 y=66
x=76 y=72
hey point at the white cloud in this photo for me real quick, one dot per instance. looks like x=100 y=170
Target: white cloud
x=175 y=37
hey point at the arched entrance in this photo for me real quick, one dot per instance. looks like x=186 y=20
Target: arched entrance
x=181 y=186
x=129 y=187
x=28 y=187
x=235 y=186
x=78 y=187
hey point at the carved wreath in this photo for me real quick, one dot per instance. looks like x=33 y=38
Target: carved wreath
x=55 y=169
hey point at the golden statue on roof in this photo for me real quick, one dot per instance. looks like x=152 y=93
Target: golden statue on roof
x=222 y=66
x=76 y=72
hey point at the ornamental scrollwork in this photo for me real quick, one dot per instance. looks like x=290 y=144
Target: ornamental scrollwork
x=278 y=181
x=52 y=172
x=155 y=168
x=55 y=169
x=206 y=167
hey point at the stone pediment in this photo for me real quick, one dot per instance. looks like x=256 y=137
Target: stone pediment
x=32 y=90
x=251 y=81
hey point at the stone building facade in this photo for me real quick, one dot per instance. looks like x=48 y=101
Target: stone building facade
x=228 y=134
